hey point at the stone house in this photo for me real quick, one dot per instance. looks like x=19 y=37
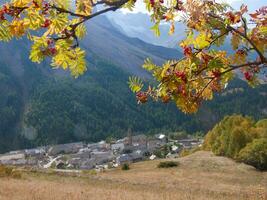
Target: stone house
x=65 y=148
x=12 y=156
x=117 y=147
x=124 y=159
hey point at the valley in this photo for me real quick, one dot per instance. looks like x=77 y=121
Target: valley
x=42 y=106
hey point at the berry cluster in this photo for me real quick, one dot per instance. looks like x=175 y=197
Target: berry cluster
x=142 y=97
x=181 y=75
x=8 y=10
x=188 y=51
x=216 y=73
x=241 y=52
x=46 y=23
x=51 y=50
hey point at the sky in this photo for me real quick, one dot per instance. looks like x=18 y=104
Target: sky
x=252 y=5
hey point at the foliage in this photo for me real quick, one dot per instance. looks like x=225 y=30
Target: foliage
x=168 y=164
x=55 y=28
x=232 y=134
x=187 y=152
x=178 y=135
x=255 y=154
x=162 y=152
x=239 y=138
x=89 y=106
x=125 y=167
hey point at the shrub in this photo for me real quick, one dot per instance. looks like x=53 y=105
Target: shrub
x=187 y=152
x=125 y=166
x=255 y=154
x=9 y=172
x=167 y=164
x=162 y=152
x=16 y=174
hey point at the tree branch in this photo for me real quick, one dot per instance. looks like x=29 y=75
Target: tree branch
x=62 y=10
x=263 y=59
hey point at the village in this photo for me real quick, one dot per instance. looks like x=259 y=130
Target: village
x=101 y=155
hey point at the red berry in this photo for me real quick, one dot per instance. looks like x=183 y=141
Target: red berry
x=248 y=76
x=46 y=23
x=181 y=75
x=152 y=2
x=35 y=4
x=5 y=9
x=142 y=97
x=165 y=99
x=2 y=15
x=187 y=51
x=46 y=6
x=216 y=73
x=45 y=9
x=50 y=41
x=52 y=51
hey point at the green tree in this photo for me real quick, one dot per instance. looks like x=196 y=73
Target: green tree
x=262 y=126
x=229 y=136
x=239 y=138
x=255 y=154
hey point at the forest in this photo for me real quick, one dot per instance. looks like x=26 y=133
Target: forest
x=61 y=109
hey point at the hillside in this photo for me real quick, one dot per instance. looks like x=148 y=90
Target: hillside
x=21 y=80
x=107 y=42
x=137 y=25
x=40 y=106
x=200 y=176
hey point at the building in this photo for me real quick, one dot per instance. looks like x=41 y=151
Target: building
x=12 y=156
x=35 y=153
x=139 y=140
x=117 y=147
x=65 y=148
x=102 y=157
x=136 y=157
x=124 y=159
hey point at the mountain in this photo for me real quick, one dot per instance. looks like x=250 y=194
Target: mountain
x=106 y=88
x=109 y=43
x=40 y=106
x=137 y=25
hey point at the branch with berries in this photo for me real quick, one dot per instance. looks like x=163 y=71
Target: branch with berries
x=205 y=70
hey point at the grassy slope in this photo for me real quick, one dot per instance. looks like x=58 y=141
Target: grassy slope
x=199 y=176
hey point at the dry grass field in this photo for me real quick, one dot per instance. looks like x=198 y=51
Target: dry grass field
x=200 y=176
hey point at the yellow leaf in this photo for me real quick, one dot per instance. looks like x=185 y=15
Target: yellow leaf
x=83 y=7
x=17 y=28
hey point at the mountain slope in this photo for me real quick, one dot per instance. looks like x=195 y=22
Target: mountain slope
x=137 y=25
x=110 y=44
x=22 y=79
x=39 y=105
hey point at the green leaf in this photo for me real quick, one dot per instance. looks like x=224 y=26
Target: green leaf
x=135 y=84
x=155 y=29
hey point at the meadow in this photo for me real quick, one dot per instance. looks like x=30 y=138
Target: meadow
x=200 y=176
